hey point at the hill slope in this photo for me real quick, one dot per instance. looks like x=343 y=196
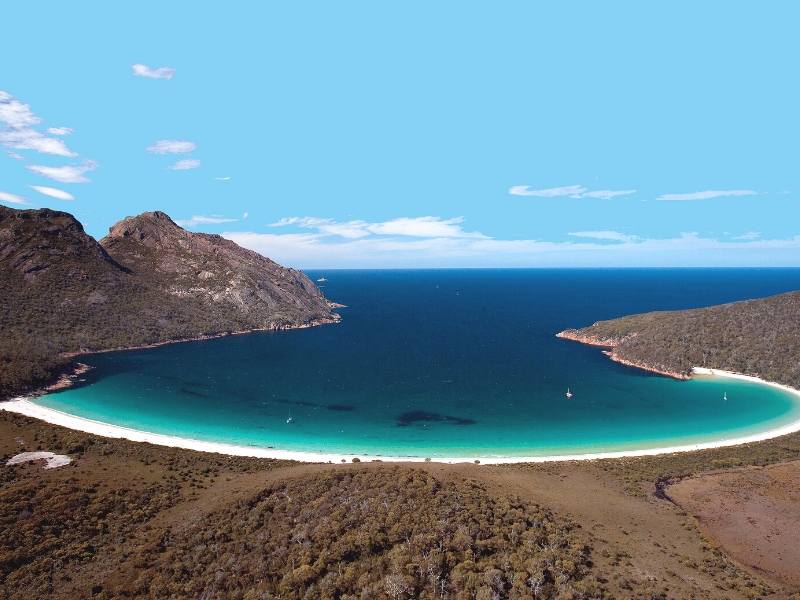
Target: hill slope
x=237 y=288
x=758 y=337
x=149 y=281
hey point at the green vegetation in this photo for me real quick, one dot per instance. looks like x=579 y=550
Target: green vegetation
x=135 y=520
x=347 y=534
x=138 y=520
x=757 y=337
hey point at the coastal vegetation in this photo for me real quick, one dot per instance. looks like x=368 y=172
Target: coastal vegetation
x=755 y=337
x=134 y=520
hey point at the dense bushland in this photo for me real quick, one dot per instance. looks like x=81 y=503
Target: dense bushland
x=759 y=337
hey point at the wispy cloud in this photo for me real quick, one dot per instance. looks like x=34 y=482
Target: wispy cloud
x=141 y=70
x=12 y=198
x=607 y=194
x=427 y=227
x=314 y=249
x=59 y=130
x=66 y=173
x=53 y=192
x=566 y=190
x=222 y=178
x=569 y=191
x=16 y=114
x=611 y=236
x=707 y=195
x=171 y=147
x=185 y=164
x=748 y=235
x=205 y=220
x=31 y=139
x=17 y=131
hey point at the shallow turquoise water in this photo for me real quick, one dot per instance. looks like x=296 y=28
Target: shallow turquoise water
x=442 y=363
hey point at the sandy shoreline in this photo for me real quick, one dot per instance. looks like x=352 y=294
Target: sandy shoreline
x=25 y=406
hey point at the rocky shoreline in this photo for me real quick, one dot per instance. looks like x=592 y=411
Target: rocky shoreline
x=611 y=352
x=71 y=372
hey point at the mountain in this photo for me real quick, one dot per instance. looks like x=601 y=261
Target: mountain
x=148 y=281
x=757 y=337
x=240 y=288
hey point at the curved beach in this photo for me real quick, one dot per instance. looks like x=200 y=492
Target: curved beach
x=27 y=407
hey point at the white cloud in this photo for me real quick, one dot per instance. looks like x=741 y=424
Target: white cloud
x=748 y=235
x=707 y=195
x=245 y=215
x=185 y=164
x=16 y=114
x=427 y=227
x=16 y=156
x=423 y=227
x=66 y=173
x=141 y=70
x=222 y=178
x=12 y=198
x=17 y=121
x=59 y=130
x=570 y=191
x=31 y=139
x=317 y=250
x=612 y=236
x=204 y=220
x=567 y=190
x=171 y=147
x=53 y=192
x=607 y=194
x=347 y=229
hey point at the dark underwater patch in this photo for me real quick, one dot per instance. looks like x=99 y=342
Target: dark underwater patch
x=295 y=402
x=190 y=392
x=340 y=407
x=421 y=416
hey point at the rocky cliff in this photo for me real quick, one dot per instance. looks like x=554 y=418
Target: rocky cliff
x=149 y=281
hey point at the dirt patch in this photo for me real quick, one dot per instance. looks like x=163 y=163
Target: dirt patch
x=753 y=513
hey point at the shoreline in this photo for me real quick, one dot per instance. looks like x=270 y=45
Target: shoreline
x=332 y=320
x=24 y=406
x=71 y=370
x=611 y=352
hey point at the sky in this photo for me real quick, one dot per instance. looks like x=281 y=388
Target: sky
x=416 y=134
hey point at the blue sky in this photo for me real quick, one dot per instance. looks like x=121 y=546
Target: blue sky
x=417 y=134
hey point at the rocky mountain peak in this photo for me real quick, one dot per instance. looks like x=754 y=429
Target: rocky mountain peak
x=150 y=228
x=33 y=240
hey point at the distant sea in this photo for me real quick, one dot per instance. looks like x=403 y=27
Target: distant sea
x=443 y=363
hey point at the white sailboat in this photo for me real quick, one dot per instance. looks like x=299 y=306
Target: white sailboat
x=568 y=394
x=725 y=396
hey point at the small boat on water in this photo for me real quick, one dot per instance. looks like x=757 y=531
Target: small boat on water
x=568 y=394
x=321 y=280
x=289 y=420
x=725 y=396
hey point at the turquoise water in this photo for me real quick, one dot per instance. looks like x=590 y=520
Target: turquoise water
x=442 y=363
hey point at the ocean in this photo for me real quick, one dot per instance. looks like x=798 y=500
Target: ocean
x=443 y=363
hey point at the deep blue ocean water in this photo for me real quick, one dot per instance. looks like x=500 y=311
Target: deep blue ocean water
x=443 y=363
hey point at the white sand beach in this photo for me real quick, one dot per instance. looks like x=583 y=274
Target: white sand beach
x=25 y=406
